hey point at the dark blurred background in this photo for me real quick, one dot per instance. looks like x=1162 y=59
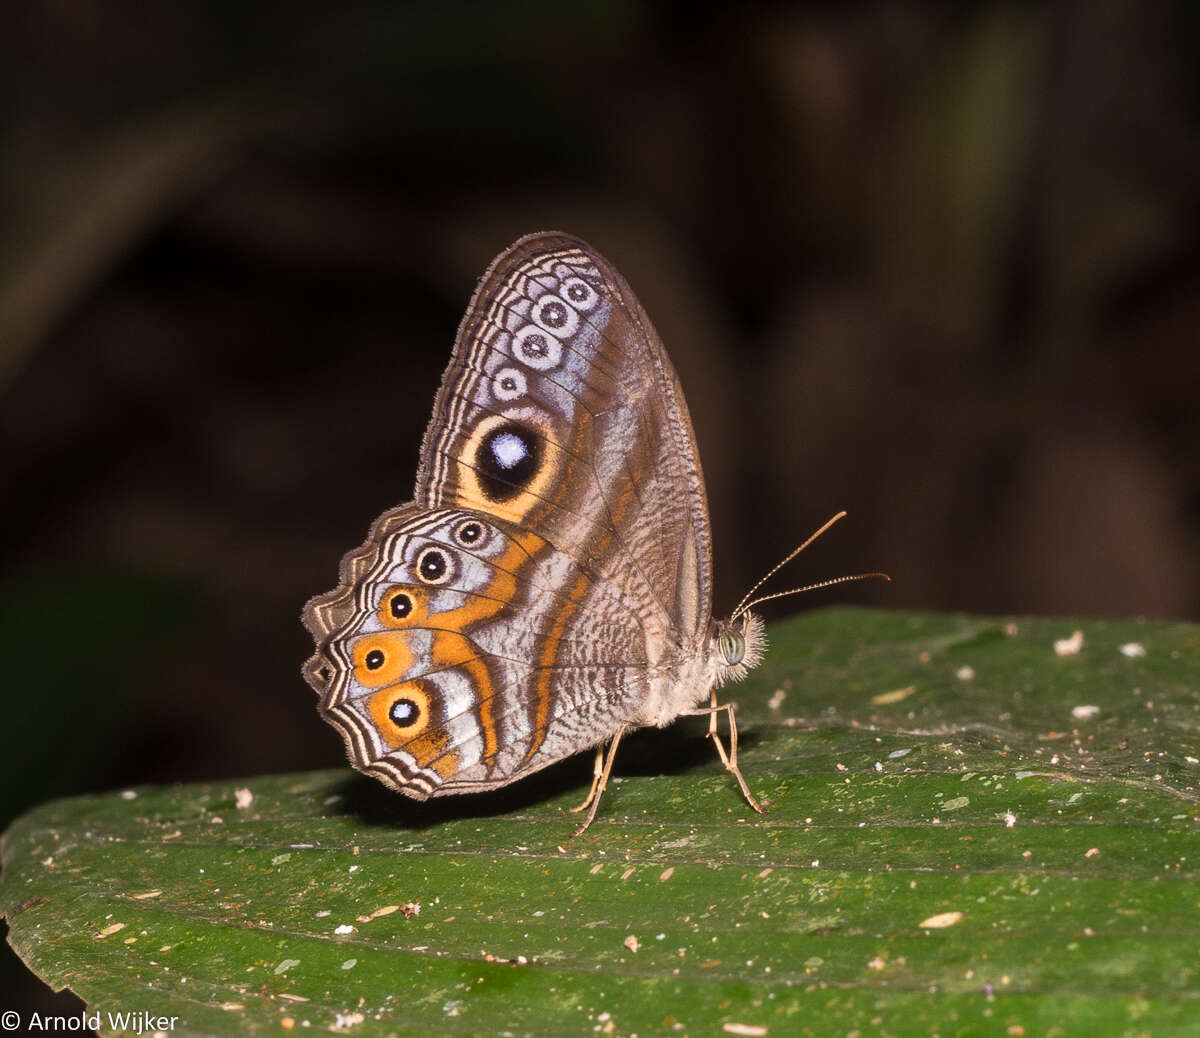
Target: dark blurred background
x=934 y=263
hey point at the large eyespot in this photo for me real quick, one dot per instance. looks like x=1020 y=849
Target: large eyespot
x=470 y=533
x=579 y=294
x=555 y=316
x=506 y=461
x=434 y=566
x=534 y=347
x=508 y=384
x=733 y=646
x=402 y=712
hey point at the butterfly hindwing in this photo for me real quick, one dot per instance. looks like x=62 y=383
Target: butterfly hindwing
x=431 y=662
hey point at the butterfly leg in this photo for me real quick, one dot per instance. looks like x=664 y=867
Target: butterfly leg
x=601 y=782
x=597 y=771
x=728 y=759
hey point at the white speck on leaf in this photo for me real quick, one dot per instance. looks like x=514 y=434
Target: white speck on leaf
x=1069 y=646
x=941 y=920
x=895 y=696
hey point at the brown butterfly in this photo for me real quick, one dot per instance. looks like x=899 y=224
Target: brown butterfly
x=550 y=585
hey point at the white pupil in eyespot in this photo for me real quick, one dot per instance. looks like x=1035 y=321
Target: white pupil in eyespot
x=404 y=712
x=509 y=450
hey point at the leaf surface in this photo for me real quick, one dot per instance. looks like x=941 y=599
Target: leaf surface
x=968 y=833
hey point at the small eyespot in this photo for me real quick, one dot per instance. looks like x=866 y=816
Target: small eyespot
x=375 y=659
x=400 y=605
x=579 y=294
x=469 y=533
x=404 y=713
x=433 y=566
x=509 y=384
x=555 y=316
x=535 y=348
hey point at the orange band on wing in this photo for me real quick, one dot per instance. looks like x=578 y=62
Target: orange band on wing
x=454 y=650
x=545 y=662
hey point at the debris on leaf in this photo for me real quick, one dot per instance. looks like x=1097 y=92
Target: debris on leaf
x=895 y=696
x=941 y=920
x=1069 y=646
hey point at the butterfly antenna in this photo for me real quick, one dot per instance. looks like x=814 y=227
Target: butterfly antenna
x=748 y=602
x=809 y=587
x=742 y=607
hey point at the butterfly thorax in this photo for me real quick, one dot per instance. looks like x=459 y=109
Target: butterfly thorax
x=725 y=654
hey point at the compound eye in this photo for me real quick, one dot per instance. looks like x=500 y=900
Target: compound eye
x=733 y=647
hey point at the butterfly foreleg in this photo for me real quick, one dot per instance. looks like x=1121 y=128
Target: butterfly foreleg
x=600 y=780
x=728 y=759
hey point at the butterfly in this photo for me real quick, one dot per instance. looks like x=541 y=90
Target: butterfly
x=549 y=587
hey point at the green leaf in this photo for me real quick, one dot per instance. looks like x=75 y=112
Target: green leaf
x=967 y=834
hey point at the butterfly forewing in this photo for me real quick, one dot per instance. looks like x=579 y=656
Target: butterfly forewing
x=561 y=412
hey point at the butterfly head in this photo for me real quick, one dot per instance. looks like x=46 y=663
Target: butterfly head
x=740 y=644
